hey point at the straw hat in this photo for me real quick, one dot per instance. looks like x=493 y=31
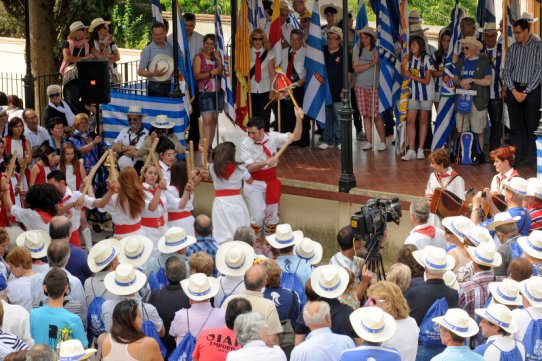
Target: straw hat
x=284 y=237
x=534 y=188
x=434 y=258
x=199 y=287
x=460 y=226
x=372 y=324
x=234 y=258
x=73 y=350
x=35 y=241
x=285 y=4
x=309 y=250
x=532 y=244
x=414 y=16
x=135 y=250
x=479 y=235
x=450 y=280
x=485 y=254
x=306 y=15
x=499 y=315
x=471 y=40
x=458 y=321
x=174 y=240
x=367 y=30
x=531 y=289
x=336 y=30
x=334 y=6
x=96 y=23
x=164 y=62
x=505 y=292
x=135 y=110
x=329 y=281
x=501 y=219
x=125 y=280
x=163 y=122
x=529 y=17
x=102 y=254
x=517 y=185
x=489 y=28
x=77 y=25
x=416 y=28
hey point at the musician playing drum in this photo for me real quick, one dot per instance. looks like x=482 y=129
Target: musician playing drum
x=443 y=177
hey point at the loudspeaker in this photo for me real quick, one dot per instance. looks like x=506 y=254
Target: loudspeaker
x=94 y=80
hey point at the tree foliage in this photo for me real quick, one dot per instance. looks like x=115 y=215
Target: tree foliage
x=130 y=30
x=201 y=6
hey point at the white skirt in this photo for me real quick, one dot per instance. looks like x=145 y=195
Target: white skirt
x=185 y=223
x=229 y=213
x=154 y=235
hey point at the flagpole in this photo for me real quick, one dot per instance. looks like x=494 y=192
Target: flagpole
x=176 y=92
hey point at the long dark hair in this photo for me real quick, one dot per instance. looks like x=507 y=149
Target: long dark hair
x=44 y=151
x=12 y=124
x=441 y=53
x=223 y=154
x=123 y=329
x=421 y=44
x=179 y=178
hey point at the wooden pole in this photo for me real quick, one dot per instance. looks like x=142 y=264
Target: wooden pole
x=278 y=113
x=151 y=157
x=113 y=172
x=11 y=166
x=88 y=180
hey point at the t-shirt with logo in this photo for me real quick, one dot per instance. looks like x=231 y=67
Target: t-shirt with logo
x=214 y=344
x=469 y=68
x=419 y=67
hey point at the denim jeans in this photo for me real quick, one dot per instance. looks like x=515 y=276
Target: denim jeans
x=494 y=110
x=426 y=353
x=332 y=131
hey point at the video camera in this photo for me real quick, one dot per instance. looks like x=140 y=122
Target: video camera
x=369 y=224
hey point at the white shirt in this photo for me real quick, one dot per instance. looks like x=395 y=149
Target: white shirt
x=126 y=136
x=71 y=178
x=228 y=286
x=160 y=209
x=253 y=153
x=173 y=200
x=265 y=83
x=523 y=319
x=497 y=184
x=118 y=215
x=234 y=182
x=257 y=350
x=29 y=218
x=195 y=44
x=457 y=186
x=166 y=172
x=36 y=138
x=74 y=214
x=299 y=61
x=17 y=145
x=421 y=240
x=405 y=338
x=19 y=292
x=17 y=322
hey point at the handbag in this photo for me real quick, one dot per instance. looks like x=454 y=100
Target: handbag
x=71 y=72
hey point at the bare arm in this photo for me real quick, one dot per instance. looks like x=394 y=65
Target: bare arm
x=296 y=135
x=102 y=202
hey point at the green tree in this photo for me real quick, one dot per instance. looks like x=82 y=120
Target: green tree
x=130 y=30
x=201 y=6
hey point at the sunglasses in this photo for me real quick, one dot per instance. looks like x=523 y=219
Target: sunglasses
x=447 y=231
x=333 y=38
x=376 y=301
x=257 y=39
x=466 y=48
x=54 y=95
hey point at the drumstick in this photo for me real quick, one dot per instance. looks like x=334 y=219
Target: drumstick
x=188 y=168
x=204 y=154
x=191 y=147
x=26 y=161
x=88 y=180
x=289 y=90
x=11 y=165
x=113 y=172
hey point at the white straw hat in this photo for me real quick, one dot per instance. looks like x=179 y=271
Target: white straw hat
x=529 y=17
x=135 y=250
x=471 y=40
x=414 y=16
x=73 y=350
x=485 y=254
x=102 y=254
x=234 y=258
x=334 y=6
x=135 y=110
x=434 y=258
x=35 y=241
x=372 y=324
x=199 y=287
x=329 y=281
x=478 y=235
x=499 y=315
x=532 y=244
x=77 y=25
x=309 y=250
x=505 y=292
x=517 y=185
x=163 y=122
x=501 y=219
x=458 y=321
x=489 y=28
x=162 y=62
x=415 y=28
x=174 y=240
x=97 y=22
x=284 y=237
x=125 y=280
x=531 y=289
x=460 y=226
x=450 y=280
x=534 y=188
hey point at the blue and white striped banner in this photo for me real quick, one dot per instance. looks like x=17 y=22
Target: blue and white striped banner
x=317 y=94
x=292 y=19
x=114 y=113
x=256 y=15
x=156 y=12
x=485 y=12
x=225 y=80
x=539 y=158
x=361 y=20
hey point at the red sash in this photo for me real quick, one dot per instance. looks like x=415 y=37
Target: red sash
x=127 y=228
x=269 y=176
x=78 y=176
x=153 y=222
x=175 y=216
x=227 y=192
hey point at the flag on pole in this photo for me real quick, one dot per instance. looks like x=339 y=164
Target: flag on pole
x=485 y=12
x=446 y=109
x=156 y=12
x=361 y=20
x=256 y=15
x=275 y=33
x=185 y=58
x=405 y=84
x=317 y=93
x=508 y=24
x=292 y=20
x=242 y=66
x=226 y=78
x=539 y=157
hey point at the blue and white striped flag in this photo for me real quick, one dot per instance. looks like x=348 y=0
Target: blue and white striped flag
x=292 y=19
x=317 y=93
x=361 y=20
x=390 y=67
x=226 y=79
x=114 y=113
x=185 y=62
x=539 y=157
x=156 y=12
x=485 y=12
x=446 y=109
x=256 y=15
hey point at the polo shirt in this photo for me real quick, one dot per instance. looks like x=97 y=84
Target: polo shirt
x=150 y=51
x=322 y=345
x=420 y=298
x=454 y=353
x=371 y=352
x=334 y=68
x=77 y=264
x=523 y=224
x=340 y=323
x=10 y=343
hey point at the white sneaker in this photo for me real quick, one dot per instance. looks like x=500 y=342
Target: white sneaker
x=323 y=146
x=381 y=146
x=360 y=136
x=420 y=154
x=339 y=147
x=366 y=146
x=409 y=155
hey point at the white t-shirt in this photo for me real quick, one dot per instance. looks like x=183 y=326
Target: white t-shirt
x=29 y=218
x=252 y=153
x=523 y=318
x=405 y=339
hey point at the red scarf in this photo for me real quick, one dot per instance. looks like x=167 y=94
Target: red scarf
x=45 y=217
x=230 y=168
x=429 y=231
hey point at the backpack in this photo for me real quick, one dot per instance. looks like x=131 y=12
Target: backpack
x=512 y=355
x=515 y=250
x=430 y=331
x=532 y=340
x=94 y=314
x=467 y=149
x=158 y=280
x=291 y=281
x=148 y=329
x=226 y=295
x=185 y=348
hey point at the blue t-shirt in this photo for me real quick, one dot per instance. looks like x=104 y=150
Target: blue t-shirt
x=469 y=68
x=287 y=304
x=46 y=323
x=369 y=352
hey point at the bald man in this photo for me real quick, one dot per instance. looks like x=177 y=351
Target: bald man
x=203 y=229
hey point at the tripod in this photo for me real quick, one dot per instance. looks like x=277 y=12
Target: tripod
x=374 y=259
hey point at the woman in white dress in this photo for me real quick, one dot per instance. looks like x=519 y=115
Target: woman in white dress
x=153 y=217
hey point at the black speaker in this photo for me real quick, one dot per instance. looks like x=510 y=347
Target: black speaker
x=94 y=80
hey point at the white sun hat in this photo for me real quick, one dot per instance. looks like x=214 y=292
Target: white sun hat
x=162 y=62
x=35 y=241
x=309 y=250
x=458 y=321
x=502 y=218
x=450 y=280
x=102 y=254
x=534 y=188
x=532 y=244
x=234 y=258
x=479 y=235
x=284 y=237
x=372 y=324
x=531 y=289
x=460 y=226
x=329 y=281
x=505 y=292
x=135 y=110
x=163 y=122
x=499 y=315
x=73 y=350
x=517 y=185
x=529 y=17
x=135 y=250
x=174 y=240
x=199 y=287
x=125 y=280
x=485 y=254
x=434 y=258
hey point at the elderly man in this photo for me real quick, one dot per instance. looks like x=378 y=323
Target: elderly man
x=467 y=27
x=522 y=74
x=203 y=229
x=157 y=46
x=455 y=327
x=233 y=259
x=35 y=133
x=423 y=234
x=255 y=280
x=130 y=139
x=321 y=343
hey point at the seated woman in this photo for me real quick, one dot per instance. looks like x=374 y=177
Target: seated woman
x=57 y=108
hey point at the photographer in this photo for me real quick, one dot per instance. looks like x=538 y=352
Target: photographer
x=347 y=258
x=160 y=126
